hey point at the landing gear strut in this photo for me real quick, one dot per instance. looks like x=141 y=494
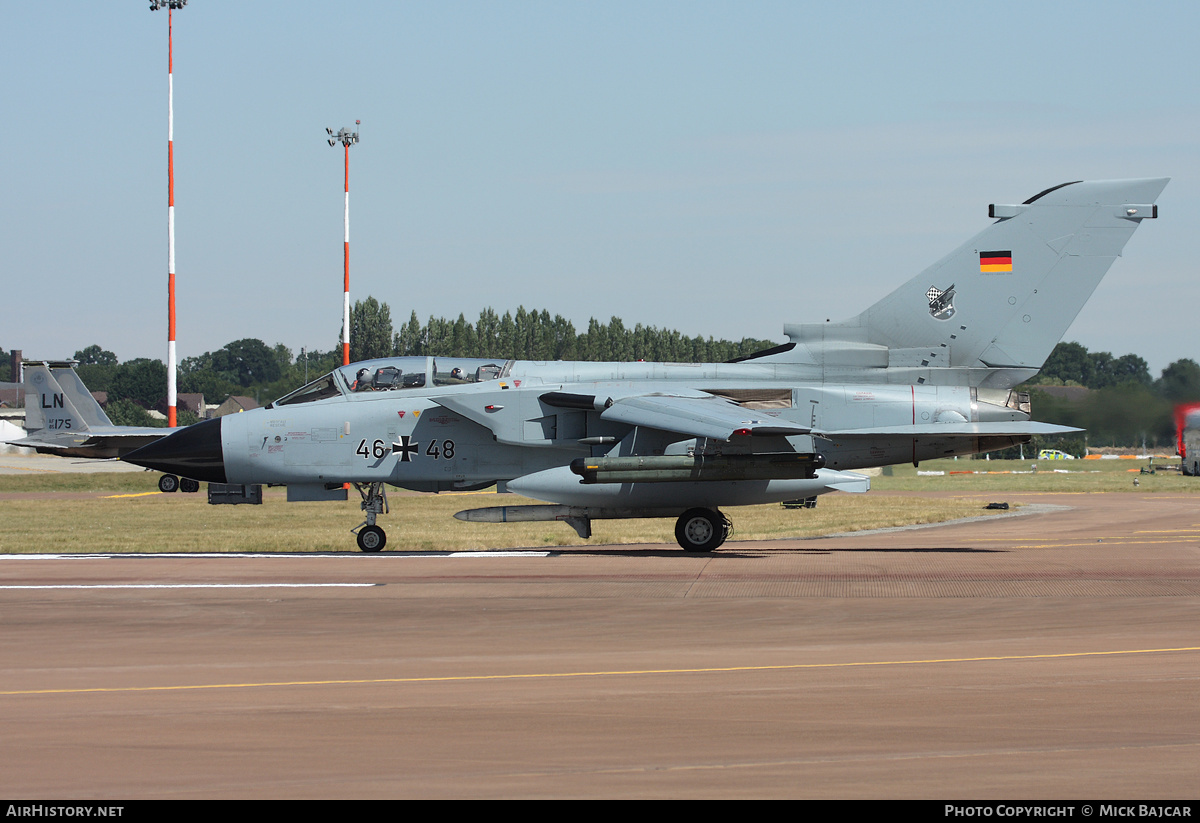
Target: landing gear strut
x=702 y=530
x=371 y=538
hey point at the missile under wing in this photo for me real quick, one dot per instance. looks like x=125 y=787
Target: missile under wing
x=928 y=371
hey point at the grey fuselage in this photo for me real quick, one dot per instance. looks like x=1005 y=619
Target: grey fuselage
x=463 y=435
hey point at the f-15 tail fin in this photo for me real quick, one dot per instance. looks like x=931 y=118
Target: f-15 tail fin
x=72 y=385
x=1003 y=299
x=56 y=400
x=62 y=417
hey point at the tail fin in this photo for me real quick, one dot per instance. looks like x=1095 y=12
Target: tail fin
x=47 y=406
x=77 y=393
x=1005 y=298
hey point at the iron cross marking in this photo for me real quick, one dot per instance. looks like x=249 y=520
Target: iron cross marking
x=405 y=448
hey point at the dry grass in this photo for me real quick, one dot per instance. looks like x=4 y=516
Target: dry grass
x=186 y=523
x=95 y=517
x=1074 y=476
x=56 y=481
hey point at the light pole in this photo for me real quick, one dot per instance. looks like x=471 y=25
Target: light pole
x=170 y=6
x=347 y=138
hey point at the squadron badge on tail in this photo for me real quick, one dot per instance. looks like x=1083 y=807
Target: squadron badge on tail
x=941 y=303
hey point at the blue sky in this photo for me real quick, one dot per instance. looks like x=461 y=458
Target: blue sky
x=719 y=168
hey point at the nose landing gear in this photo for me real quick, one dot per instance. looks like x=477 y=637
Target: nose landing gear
x=371 y=538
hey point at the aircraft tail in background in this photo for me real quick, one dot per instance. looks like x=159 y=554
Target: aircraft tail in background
x=62 y=417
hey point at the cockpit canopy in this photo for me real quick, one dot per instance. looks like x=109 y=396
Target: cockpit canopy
x=397 y=374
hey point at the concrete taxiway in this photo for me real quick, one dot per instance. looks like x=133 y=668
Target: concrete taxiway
x=26 y=462
x=1055 y=655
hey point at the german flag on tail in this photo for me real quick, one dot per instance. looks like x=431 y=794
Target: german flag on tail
x=995 y=262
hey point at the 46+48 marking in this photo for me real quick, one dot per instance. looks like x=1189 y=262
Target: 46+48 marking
x=406 y=448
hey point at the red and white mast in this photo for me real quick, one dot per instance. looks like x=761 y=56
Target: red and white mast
x=170 y=5
x=347 y=138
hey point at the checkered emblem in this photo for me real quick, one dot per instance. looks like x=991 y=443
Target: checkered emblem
x=941 y=302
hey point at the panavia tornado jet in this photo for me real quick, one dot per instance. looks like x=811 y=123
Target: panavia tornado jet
x=929 y=371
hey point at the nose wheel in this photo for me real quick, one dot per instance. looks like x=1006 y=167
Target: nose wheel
x=371 y=538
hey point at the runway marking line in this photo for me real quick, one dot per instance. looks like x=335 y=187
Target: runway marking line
x=139 y=494
x=397 y=555
x=546 y=675
x=1108 y=541
x=1076 y=542
x=196 y=586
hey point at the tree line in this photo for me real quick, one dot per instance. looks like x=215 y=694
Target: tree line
x=1125 y=407
x=531 y=335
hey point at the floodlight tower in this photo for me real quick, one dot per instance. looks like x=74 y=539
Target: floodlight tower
x=170 y=6
x=347 y=138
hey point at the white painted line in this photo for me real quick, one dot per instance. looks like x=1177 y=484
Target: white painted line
x=203 y=586
x=498 y=554
x=298 y=556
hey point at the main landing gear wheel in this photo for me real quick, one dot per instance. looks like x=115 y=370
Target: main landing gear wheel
x=371 y=539
x=702 y=530
x=189 y=486
x=168 y=483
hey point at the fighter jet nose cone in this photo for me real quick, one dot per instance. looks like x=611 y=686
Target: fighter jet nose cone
x=193 y=452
